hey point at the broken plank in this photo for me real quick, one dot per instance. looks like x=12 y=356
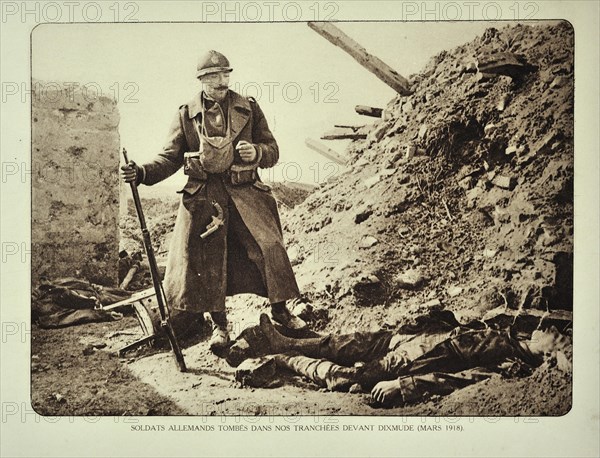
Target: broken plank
x=139 y=296
x=372 y=63
x=325 y=151
x=342 y=134
x=369 y=111
x=344 y=126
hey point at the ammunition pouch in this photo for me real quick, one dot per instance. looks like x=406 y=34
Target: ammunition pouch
x=239 y=177
x=192 y=166
x=236 y=175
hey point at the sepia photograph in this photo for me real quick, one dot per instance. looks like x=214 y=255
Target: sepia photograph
x=307 y=218
x=299 y=229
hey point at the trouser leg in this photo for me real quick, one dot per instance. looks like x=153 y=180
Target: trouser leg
x=239 y=233
x=322 y=372
x=344 y=349
x=219 y=319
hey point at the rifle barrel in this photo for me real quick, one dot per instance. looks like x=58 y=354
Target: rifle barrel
x=160 y=299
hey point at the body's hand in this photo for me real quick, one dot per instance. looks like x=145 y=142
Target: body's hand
x=386 y=392
x=247 y=151
x=130 y=172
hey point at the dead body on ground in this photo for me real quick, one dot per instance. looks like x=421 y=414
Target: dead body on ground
x=434 y=356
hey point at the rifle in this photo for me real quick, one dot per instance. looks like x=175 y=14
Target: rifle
x=160 y=296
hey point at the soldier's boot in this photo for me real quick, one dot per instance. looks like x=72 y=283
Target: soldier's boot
x=220 y=335
x=281 y=314
x=281 y=344
x=320 y=371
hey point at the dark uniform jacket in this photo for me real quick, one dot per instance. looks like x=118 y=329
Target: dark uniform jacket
x=201 y=272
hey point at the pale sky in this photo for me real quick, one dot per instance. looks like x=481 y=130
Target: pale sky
x=303 y=83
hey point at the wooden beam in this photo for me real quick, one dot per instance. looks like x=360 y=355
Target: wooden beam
x=369 y=111
x=342 y=134
x=375 y=65
x=345 y=126
x=325 y=151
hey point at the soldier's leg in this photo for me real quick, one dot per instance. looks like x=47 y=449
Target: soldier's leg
x=220 y=339
x=320 y=371
x=346 y=349
x=279 y=310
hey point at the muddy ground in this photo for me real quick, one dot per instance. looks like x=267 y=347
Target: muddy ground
x=460 y=197
x=77 y=372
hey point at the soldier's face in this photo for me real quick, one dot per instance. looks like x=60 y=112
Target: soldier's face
x=216 y=85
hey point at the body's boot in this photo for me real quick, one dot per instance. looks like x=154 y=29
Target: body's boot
x=282 y=344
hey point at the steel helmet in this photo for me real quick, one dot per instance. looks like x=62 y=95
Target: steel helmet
x=212 y=62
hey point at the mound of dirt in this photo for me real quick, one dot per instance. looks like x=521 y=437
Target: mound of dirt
x=460 y=196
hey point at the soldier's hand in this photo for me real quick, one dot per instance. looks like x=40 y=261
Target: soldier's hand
x=386 y=392
x=247 y=151
x=130 y=172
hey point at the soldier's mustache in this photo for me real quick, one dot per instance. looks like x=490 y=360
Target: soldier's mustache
x=221 y=88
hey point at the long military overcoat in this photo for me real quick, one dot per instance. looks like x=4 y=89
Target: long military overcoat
x=202 y=272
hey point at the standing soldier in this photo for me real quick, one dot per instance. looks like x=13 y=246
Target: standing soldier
x=227 y=238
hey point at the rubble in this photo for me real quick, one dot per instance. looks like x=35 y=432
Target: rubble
x=473 y=162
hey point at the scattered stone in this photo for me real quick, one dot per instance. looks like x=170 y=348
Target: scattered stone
x=410 y=279
x=432 y=303
x=471 y=67
x=558 y=82
x=403 y=231
x=489 y=253
x=380 y=131
x=58 y=397
x=545 y=143
x=361 y=162
x=368 y=241
x=431 y=96
x=423 y=131
x=363 y=216
x=387 y=172
x=370 y=182
x=502 y=103
x=416 y=249
x=505 y=182
x=504 y=63
x=467 y=183
x=510 y=150
x=489 y=129
x=89 y=350
x=410 y=151
x=407 y=107
x=454 y=291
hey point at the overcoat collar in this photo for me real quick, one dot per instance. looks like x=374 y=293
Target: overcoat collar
x=239 y=108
